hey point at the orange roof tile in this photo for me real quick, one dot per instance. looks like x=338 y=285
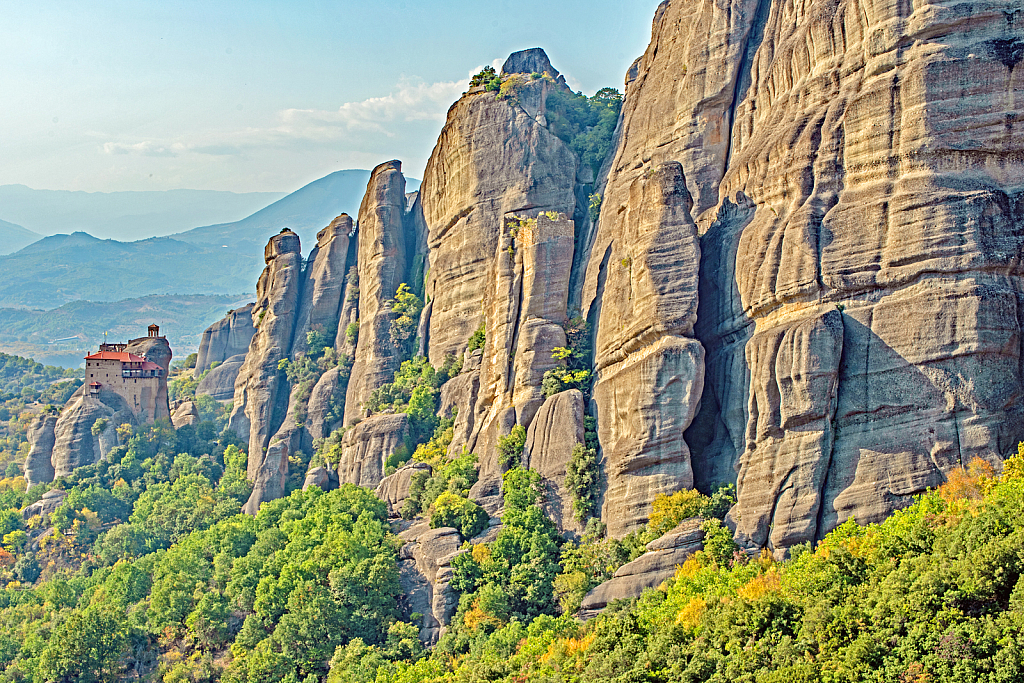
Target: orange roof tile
x=122 y=356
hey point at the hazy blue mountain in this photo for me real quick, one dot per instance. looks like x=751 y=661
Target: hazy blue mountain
x=64 y=335
x=216 y=259
x=124 y=216
x=306 y=211
x=63 y=268
x=14 y=237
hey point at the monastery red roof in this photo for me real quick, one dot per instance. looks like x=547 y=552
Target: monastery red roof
x=122 y=356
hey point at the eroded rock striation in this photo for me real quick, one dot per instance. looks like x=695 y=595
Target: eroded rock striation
x=228 y=337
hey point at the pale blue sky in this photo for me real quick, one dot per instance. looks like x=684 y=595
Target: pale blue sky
x=266 y=95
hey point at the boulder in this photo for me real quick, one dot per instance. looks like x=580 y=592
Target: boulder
x=394 y=489
x=657 y=565
x=554 y=432
x=185 y=414
x=367 y=446
x=320 y=477
x=46 y=505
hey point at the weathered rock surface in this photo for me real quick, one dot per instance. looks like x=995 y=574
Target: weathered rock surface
x=327 y=393
x=425 y=573
x=664 y=555
x=321 y=477
x=640 y=294
x=854 y=181
x=556 y=429
x=320 y=308
x=383 y=263
x=41 y=438
x=219 y=383
x=367 y=445
x=74 y=443
x=493 y=160
x=260 y=401
x=185 y=414
x=525 y=314
x=230 y=336
x=46 y=505
x=394 y=489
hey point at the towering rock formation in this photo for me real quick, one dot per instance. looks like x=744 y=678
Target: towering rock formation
x=495 y=159
x=226 y=338
x=261 y=395
x=383 y=261
x=324 y=284
x=640 y=295
x=859 y=251
x=799 y=238
x=222 y=352
x=85 y=430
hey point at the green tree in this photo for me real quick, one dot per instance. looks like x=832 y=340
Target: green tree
x=452 y=510
x=85 y=647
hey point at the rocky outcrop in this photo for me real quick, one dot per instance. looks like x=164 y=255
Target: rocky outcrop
x=425 y=574
x=493 y=160
x=640 y=294
x=368 y=445
x=46 y=505
x=75 y=444
x=185 y=414
x=228 y=337
x=553 y=433
x=383 y=264
x=41 y=438
x=219 y=382
x=859 y=290
x=663 y=557
x=394 y=489
x=260 y=400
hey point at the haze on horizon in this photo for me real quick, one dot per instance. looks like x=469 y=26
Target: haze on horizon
x=267 y=96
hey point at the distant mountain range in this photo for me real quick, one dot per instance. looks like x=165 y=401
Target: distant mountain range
x=219 y=259
x=124 y=216
x=64 y=335
x=14 y=237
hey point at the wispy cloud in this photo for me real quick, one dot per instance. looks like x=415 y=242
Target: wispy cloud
x=408 y=106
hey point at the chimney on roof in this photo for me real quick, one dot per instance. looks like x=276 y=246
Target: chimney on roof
x=154 y=330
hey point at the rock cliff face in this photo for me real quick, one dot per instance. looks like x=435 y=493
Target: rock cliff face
x=226 y=338
x=261 y=401
x=493 y=160
x=859 y=251
x=383 y=262
x=804 y=279
x=640 y=295
x=41 y=436
x=75 y=444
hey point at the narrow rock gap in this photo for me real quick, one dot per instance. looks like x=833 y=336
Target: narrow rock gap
x=743 y=75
